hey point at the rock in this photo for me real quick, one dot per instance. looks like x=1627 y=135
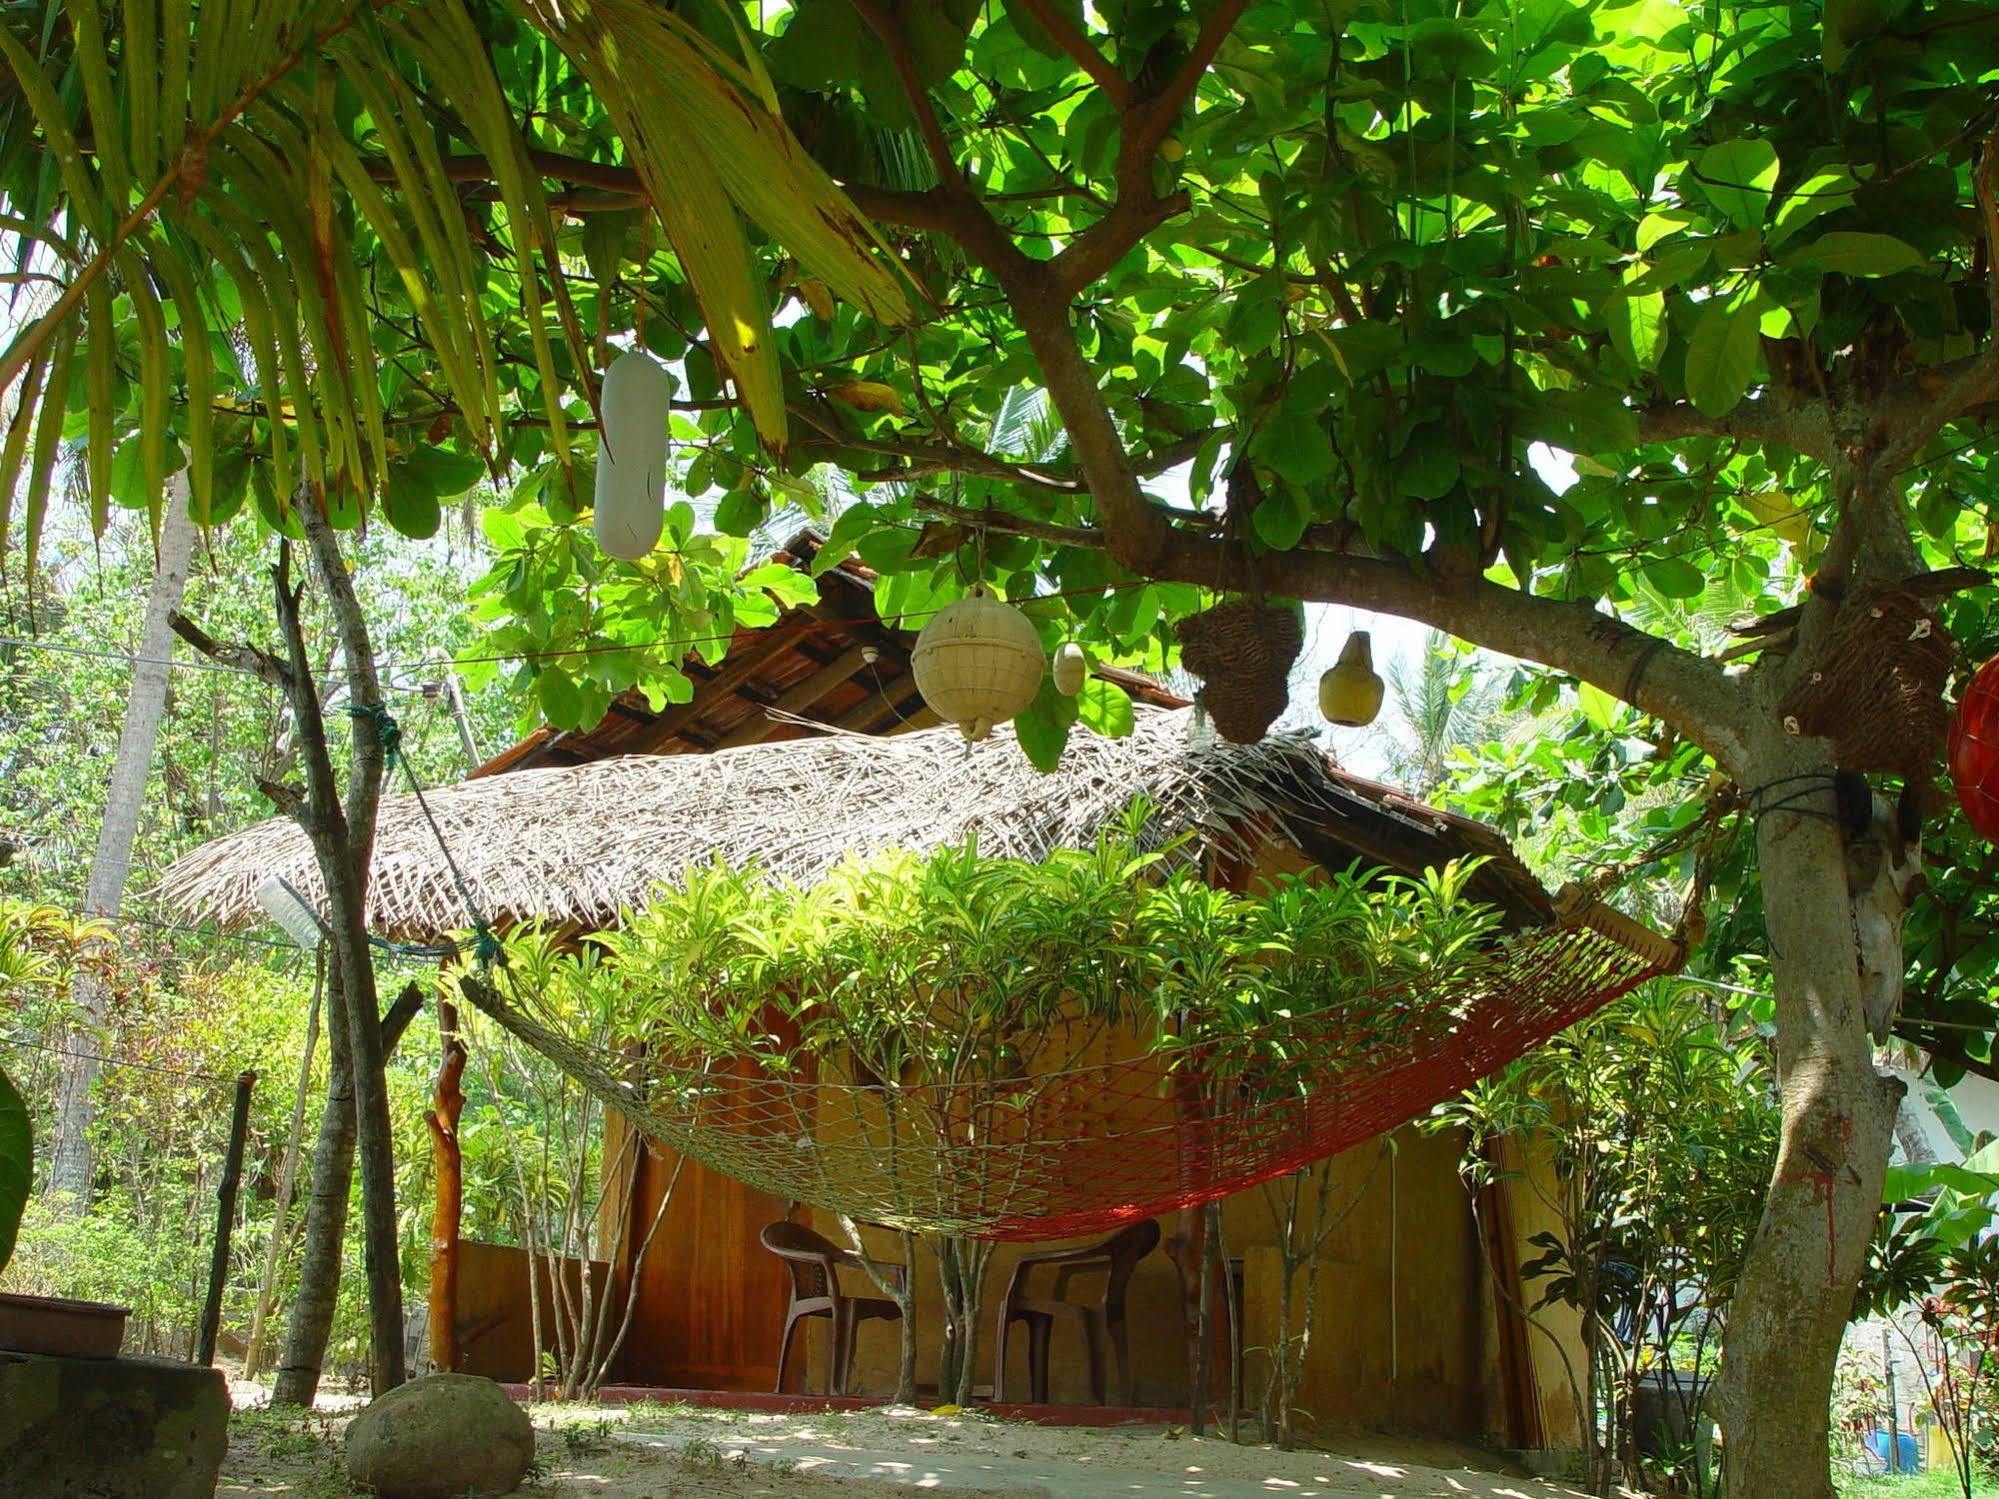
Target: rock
x=124 y=1428
x=441 y=1437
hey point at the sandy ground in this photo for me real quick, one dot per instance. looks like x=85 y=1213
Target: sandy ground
x=679 y=1452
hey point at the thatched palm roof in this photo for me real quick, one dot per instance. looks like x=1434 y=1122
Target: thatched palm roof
x=576 y=844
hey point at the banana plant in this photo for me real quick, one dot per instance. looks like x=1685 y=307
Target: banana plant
x=16 y=1164
x=294 y=242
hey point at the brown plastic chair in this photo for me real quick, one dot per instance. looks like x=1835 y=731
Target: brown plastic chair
x=1101 y=1320
x=815 y=1263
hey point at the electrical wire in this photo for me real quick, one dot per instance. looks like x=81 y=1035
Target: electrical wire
x=215 y=1079
x=800 y=627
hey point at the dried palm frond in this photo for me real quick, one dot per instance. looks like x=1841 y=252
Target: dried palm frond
x=578 y=844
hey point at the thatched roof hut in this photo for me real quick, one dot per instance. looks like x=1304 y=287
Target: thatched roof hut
x=576 y=844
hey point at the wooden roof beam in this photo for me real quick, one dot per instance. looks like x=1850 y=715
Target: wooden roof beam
x=797 y=698
x=736 y=669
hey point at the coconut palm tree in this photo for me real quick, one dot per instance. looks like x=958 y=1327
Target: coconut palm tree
x=1445 y=700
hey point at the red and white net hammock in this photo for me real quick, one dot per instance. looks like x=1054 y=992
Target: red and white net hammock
x=1087 y=1148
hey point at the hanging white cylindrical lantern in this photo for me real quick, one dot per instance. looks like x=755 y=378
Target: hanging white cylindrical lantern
x=631 y=456
x=978 y=663
x=1072 y=668
x=1350 y=693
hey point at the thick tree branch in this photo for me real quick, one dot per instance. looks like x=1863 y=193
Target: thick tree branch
x=1762 y=420
x=1687 y=691
x=1924 y=404
x=245 y=658
x=887 y=26
x=618 y=186
x=1931 y=400
x=369 y=764
x=1103 y=244
x=287 y=799
x=921 y=458
x=1070 y=38
x=929 y=209
x=1007 y=523
x=1151 y=122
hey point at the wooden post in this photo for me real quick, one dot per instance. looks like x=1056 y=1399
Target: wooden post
x=446 y=1104
x=225 y=1219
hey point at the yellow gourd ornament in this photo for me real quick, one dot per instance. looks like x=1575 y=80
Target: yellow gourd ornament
x=1350 y=692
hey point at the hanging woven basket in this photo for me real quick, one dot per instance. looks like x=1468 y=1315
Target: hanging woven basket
x=1243 y=652
x=1878 y=697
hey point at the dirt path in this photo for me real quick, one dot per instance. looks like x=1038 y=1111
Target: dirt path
x=680 y=1452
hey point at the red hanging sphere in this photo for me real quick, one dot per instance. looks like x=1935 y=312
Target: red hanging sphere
x=1974 y=751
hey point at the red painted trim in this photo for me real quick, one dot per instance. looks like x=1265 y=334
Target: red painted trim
x=742 y=1400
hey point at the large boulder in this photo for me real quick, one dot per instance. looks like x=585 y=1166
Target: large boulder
x=441 y=1437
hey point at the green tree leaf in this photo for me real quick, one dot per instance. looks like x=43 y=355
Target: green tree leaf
x=1637 y=322
x=1279 y=518
x=1105 y=708
x=1737 y=177
x=1295 y=445
x=1819 y=194
x=1722 y=355
x=1675 y=577
x=1853 y=253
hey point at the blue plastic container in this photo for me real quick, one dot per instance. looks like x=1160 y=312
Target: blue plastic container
x=1905 y=1449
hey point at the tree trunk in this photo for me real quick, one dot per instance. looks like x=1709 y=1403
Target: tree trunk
x=145 y=706
x=267 y=1284
x=1791 y=1306
x=318 y=1294
x=447 y=1103
x=343 y=837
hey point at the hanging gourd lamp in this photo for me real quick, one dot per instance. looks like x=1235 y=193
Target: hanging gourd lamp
x=631 y=456
x=1973 y=753
x=1350 y=692
x=978 y=663
x=1071 y=668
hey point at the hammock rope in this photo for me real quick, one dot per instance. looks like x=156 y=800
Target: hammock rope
x=1069 y=1150
x=1084 y=1149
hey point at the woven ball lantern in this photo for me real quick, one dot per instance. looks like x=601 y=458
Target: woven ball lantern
x=1071 y=668
x=1974 y=751
x=630 y=507
x=978 y=663
x=1350 y=692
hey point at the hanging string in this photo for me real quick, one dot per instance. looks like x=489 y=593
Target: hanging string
x=215 y=1079
x=1809 y=784
x=483 y=945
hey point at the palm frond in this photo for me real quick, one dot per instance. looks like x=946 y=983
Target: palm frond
x=219 y=183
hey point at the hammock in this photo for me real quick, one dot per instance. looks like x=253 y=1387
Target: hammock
x=1086 y=1149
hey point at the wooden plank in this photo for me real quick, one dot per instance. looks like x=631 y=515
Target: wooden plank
x=796 y=699
x=737 y=668
x=495 y=1327
x=711 y=1301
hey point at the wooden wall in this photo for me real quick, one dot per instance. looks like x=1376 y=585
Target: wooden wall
x=711 y=1300
x=495 y=1318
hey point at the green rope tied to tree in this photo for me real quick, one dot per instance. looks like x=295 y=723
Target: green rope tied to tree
x=387 y=731
x=484 y=946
